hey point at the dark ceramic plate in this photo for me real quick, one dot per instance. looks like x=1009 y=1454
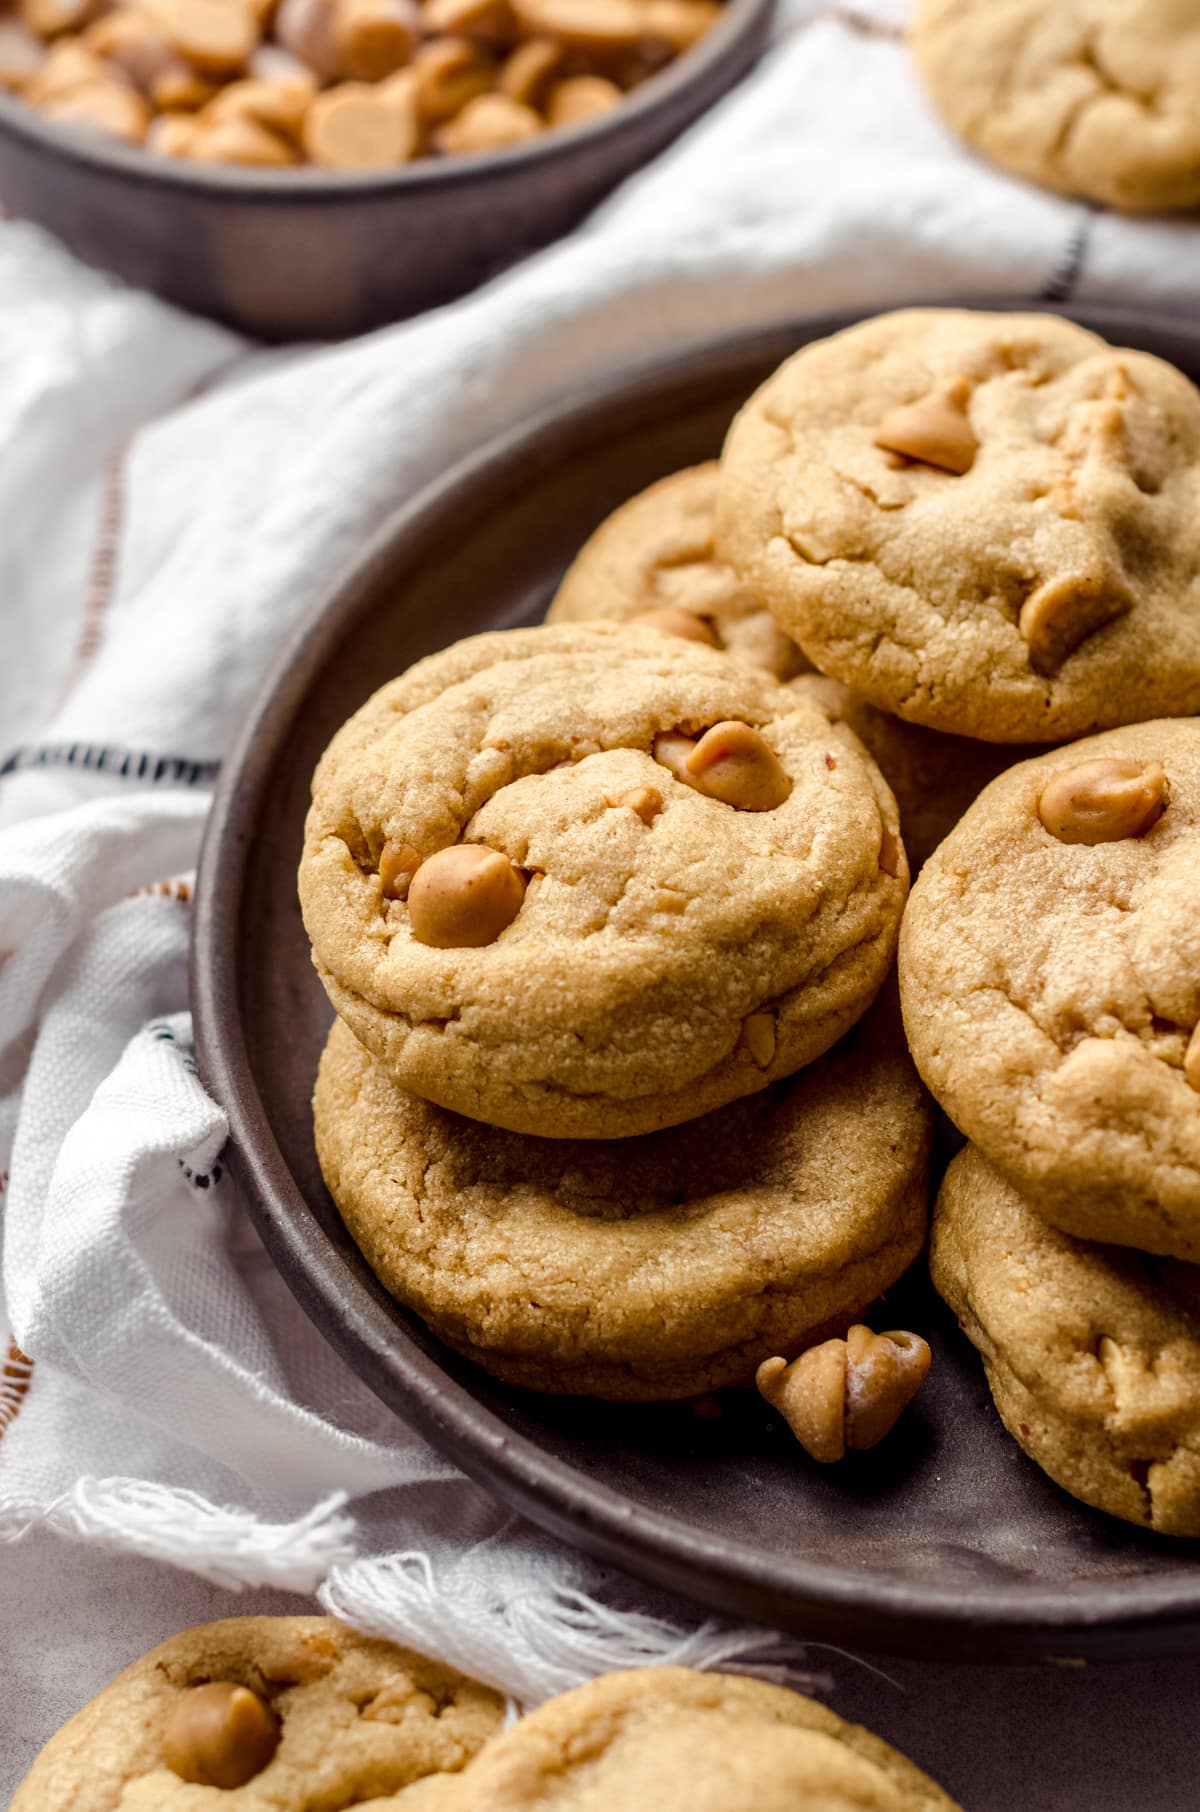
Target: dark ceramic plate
x=945 y=1542
x=312 y=254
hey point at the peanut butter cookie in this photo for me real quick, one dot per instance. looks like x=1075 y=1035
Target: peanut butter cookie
x=1094 y=97
x=640 y=1269
x=654 y=558
x=282 y=1714
x=668 y=1739
x=1050 y=974
x=1092 y=1352
x=988 y=524
x=587 y=882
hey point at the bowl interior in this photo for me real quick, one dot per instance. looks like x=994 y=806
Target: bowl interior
x=946 y=1540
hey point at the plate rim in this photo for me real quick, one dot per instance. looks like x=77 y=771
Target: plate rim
x=903 y=1616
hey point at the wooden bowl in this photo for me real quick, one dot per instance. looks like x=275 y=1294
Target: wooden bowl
x=946 y=1542
x=311 y=254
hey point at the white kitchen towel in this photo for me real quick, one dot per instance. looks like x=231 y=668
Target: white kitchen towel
x=172 y=503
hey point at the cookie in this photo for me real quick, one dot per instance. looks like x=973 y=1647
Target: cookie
x=673 y=1740
x=1085 y=96
x=642 y=1269
x=987 y=524
x=655 y=555
x=1092 y=1352
x=286 y=1714
x=1050 y=975
x=583 y=881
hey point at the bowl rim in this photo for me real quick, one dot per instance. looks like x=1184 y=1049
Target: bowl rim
x=20 y=120
x=1139 y=1615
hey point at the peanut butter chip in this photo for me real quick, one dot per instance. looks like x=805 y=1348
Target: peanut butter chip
x=1059 y=616
x=242 y=141
x=1103 y=801
x=489 y=123
x=219 y=1735
x=450 y=72
x=734 y=763
x=891 y=852
x=581 y=98
x=397 y=866
x=528 y=70
x=374 y=38
x=464 y=897
x=359 y=127
x=758 y=1037
x=936 y=431
x=846 y=1394
x=1191 y=1061
x=673 y=620
x=212 y=34
x=106 y=107
x=646 y=801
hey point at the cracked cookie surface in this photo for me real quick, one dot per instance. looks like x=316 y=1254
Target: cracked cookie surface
x=679 y=1741
x=1042 y=582
x=1094 y=97
x=671 y=952
x=1051 y=988
x=642 y=1269
x=1092 y=1353
x=357 y=1718
x=657 y=553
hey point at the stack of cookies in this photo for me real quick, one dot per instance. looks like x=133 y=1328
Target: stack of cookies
x=302 y=1714
x=604 y=907
x=601 y=913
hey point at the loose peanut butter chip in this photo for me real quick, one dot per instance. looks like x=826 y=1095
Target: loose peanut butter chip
x=645 y=801
x=935 y=431
x=1191 y=1061
x=280 y=104
x=398 y=864
x=374 y=38
x=1059 y=616
x=358 y=127
x=106 y=107
x=179 y=89
x=846 y=1394
x=1103 y=801
x=464 y=897
x=581 y=98
x=810 y=1395
x=489 y=123
x=891 y=852
x=672 y=620
x=528 y=70
x=758 y=1037
x=212 y=34
x=243 y=141
x=305 y=29
x=219 y=1735
x=450 y=72
x=734 y=763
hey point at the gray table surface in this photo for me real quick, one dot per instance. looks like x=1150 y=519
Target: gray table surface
x=1105 y=1739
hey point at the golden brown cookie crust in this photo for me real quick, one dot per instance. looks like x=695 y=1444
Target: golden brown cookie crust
x=1051 y=991
x=1050 y=590
x=677 y=1741
x=651 y=1268
x=620 y=998
x=1094 y=97
x=359 y=1718
x=1092 y=1352
x=657 y=552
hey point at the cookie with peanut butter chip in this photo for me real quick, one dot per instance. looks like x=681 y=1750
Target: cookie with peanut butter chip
x=987 y=524
x=280 y=1714
x=586 y=881
x=638 y=1269
x=1092 y=1352
x=1050 y=974
x=1087 y=96
x=654 y=561
x=677 y=1741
